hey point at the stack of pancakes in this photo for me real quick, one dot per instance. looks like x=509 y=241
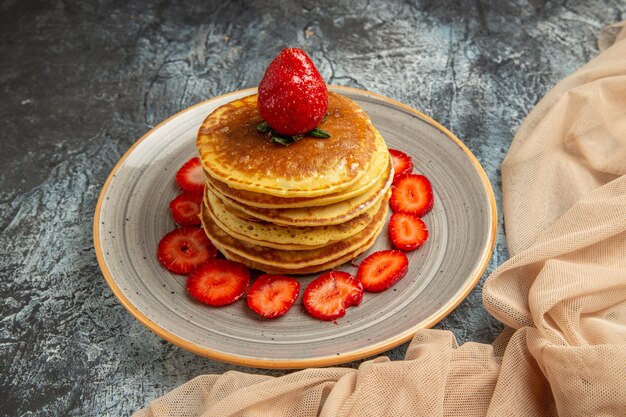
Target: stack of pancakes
x=296 y=209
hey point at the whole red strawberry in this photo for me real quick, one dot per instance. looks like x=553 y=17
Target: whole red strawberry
x=293 y=97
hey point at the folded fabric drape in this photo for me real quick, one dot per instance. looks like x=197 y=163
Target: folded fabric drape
x=561 y=295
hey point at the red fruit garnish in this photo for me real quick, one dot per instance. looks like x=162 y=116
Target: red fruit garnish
x=402 y=163
x=185 y=209
x=182 y=250
x=382 y=269
x=190 y=177
x=218 y=282
x=328 y=296
x=412 y=193
x=273 y=295
x=293 y=97
x=408 y=232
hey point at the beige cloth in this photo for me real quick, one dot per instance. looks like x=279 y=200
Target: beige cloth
x=562 y=294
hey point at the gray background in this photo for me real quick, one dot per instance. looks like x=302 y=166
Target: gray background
x=81 y=81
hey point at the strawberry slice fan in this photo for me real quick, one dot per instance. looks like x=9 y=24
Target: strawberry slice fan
x=293 y=102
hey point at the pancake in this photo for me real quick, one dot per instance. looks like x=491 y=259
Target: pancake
x=233 y=211
x=283 y=237
x=288 y=259
x=300 y=271
x=233 y=152
x=374 y=171
x=318 y=216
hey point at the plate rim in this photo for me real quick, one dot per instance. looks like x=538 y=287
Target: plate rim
x=361 y=353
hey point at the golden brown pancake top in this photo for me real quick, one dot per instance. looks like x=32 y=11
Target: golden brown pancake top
x=241 y=150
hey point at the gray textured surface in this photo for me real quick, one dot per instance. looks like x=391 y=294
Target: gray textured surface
x=81 y=81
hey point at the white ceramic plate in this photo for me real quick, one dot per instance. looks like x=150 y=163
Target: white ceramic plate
x=132 y=215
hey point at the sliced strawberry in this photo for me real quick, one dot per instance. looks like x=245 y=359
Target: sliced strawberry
x=185 y=209
x=408 y=232
x=382 y=269
x=182 y=250
x=328 y=296
x=273 y=295
x=218 y=282
x=412 y=193
x=190 y=177
x=402 y=163
x=293 y=97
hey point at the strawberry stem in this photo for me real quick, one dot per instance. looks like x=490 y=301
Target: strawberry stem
x=285 y=140
x=263 y=127
x=319 y=133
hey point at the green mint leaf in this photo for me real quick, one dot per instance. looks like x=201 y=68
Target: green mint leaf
x=325 y=117
x=263 y=127
x=319 y=133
